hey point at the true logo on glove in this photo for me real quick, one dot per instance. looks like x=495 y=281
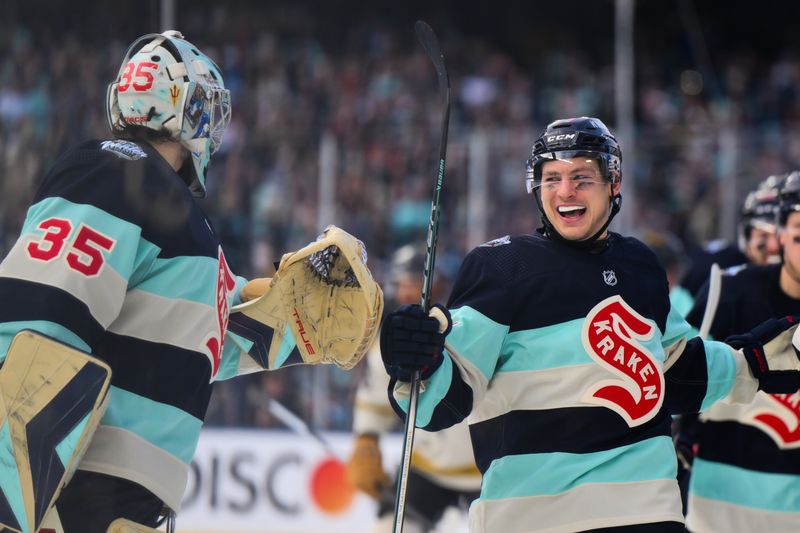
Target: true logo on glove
x=781 y=421
x=611 y=335
x=302 y=331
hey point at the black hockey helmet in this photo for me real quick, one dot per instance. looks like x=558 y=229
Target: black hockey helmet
x=407 y=261
x=789 y=197
x=763 y=202
x=576 y=137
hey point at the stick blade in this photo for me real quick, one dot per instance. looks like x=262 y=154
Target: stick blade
x=430 y=43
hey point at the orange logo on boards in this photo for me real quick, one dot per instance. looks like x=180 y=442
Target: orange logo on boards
x=612 y=335
x=330 y=490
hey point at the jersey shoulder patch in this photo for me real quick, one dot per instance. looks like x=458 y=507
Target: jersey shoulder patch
x=733 y=270
x=123 y=149
x=497 y=242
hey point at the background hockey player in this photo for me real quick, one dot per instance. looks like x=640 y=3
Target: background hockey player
x=117 y=259
x=563 y=351
x=760 y=242
x=757 y=242
x=746 y=474
x=757 y=245
x=443 y=472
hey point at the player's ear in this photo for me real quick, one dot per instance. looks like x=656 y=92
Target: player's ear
x=616 y=185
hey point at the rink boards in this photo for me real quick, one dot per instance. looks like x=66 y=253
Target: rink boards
x=275 y=481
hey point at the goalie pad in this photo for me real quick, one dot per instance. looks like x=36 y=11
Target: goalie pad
x=52 y=397
x=325 y=294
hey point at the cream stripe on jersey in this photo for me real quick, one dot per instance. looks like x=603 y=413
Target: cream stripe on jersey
x=551 y=388
x=102 y=293
x=608 y=505
x=176 y=322
x=118 y=452
x=712 y=516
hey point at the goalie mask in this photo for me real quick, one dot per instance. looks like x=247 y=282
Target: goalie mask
x=166 y=84
x=565 y=140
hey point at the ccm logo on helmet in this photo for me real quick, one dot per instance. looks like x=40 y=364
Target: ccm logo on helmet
x=561 y=137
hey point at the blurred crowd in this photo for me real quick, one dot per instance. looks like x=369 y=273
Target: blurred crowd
x=360 y=104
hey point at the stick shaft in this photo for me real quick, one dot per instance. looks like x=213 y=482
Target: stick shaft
x=714 y=289
x=430 y=43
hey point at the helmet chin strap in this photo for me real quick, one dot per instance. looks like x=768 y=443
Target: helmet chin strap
x=593 y=244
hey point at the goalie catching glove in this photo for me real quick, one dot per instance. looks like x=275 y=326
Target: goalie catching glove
x=325 y=295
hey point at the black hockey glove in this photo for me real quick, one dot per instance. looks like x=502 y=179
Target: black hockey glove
x=772 y=354
x=413 y=340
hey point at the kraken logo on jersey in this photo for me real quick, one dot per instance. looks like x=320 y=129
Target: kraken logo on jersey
x=225 y=284
x=612 y=335
x=780 y=419
x=51 y=400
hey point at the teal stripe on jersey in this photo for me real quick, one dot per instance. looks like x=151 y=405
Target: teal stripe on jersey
x=286 y=347
x=682 y=301
x=121 y=259
x=748 y=488
x=721 y=372
x=237 y=295
x=554 y=473
x=481 y=348
x=66 y=448
x=9 y=329
x=435 y=389
x=556 y=346
x=233 y=350
x=186 y=278
x=9 y=478
x=676 y=328
x=174 y=430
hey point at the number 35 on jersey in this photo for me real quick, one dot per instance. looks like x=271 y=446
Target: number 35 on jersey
x=82 y=247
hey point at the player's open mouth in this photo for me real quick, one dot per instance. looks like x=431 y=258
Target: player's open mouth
x=571 y=211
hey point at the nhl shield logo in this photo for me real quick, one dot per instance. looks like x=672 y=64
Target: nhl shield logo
x=610 y=277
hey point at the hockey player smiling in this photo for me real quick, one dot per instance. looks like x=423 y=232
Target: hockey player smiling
x=567 y=358
x=575 y=198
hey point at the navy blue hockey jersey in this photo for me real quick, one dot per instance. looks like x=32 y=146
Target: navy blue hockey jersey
x=116 y=258
x=557 y=356
x=746 y=474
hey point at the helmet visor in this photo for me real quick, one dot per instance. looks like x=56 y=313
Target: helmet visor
x=586 y=170
x=220 y=116
x=208 y=113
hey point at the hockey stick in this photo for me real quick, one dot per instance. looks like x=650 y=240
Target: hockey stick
x=714 y=288
x=431 y=45
x=296 y=424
